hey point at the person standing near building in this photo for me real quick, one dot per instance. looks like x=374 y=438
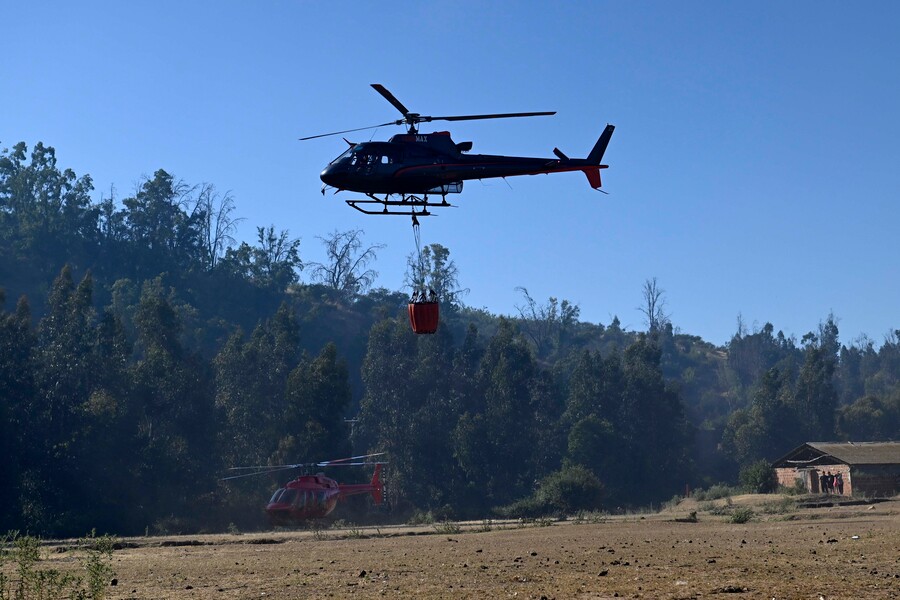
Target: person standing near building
x=839 y=482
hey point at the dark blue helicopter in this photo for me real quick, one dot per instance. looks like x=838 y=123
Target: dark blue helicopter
x=409 y=167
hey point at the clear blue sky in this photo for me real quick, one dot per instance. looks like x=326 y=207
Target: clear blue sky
x=753 y=170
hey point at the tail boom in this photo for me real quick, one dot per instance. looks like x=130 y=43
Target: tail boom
x=590 y=166
x=375 y=487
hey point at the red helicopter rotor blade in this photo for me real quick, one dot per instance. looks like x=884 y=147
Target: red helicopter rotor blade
x=340 y=460
x=255 y=473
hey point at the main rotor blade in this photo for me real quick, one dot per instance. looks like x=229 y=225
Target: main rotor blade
x=495 y=116
x=255 y=473
x=390 y=98
x=312 y=137
x=353 y=464
x=340 y=460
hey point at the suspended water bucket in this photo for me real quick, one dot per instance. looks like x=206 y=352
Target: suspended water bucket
x=423 y=314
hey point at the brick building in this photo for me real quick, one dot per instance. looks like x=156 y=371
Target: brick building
x=868 y=468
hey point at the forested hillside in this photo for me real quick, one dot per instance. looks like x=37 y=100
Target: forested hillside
x=143 y=351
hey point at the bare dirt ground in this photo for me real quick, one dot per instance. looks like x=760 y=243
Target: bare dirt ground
x=834 y=552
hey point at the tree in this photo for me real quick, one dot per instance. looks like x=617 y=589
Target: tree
x=594 y=444
x=273 y=263
x=216 y=225
x=17 y=389
x=653 y=307
x=769 y=426
x=653 y=425
x=173 y=404
x=596 y=388
x=45 y=213
x=494 y=442
x=434 y=269
x=346 y=268
x=565 y=492
x=391 y=398
x=870 y=419
x=751 y=355
x=815 y=399
x=547 y=325
x=163 y=234
x=65 y=337
x=854 y=367
x=759 y=477
x=252 y=385
x=65 y=377
x=318 y=393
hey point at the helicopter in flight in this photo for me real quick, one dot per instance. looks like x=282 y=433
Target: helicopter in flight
x=310 y=497
x=398 y=175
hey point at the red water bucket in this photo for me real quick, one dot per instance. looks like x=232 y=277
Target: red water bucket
x=423 y=316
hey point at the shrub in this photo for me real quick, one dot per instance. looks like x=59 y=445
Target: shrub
x=50 y=584
x=421 y=518
x=447 y=527
x=741 y=515
x=798 y=489
x=778 y=507
x=759 y=478
x=715 y=492
x=567 y=491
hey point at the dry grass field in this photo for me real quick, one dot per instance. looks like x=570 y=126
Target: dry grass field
x=782 y=552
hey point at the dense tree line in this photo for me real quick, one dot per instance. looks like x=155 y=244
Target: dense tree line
x=143 y=352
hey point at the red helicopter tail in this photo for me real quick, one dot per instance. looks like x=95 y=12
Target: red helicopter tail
x=593 y=172
x=377 y=488
x=593 y=176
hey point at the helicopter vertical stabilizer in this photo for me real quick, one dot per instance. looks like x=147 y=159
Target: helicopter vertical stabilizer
x=599 y=149
x=377 y=488
x=593 y=172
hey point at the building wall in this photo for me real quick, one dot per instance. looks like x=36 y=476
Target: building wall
x=787 y=476
x=877 y=480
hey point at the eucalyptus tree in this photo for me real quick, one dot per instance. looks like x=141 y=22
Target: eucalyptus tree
x=173 y=401
x=18 y=433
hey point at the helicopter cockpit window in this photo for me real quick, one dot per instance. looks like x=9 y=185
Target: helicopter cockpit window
x=288 y=496
x=276 y=495
x=361 y=159
x=344 y=155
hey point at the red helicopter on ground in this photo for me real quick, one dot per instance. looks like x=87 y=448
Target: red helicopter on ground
x=311 y=497
x=413 y=165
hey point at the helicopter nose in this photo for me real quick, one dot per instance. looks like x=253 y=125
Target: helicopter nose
x=328 y=175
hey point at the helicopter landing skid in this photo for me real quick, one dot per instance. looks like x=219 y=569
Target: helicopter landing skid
x=408 y=202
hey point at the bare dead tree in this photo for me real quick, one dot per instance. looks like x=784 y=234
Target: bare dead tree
x=347 y=266
x=546 y=324
x=216 y=224
x=654 y=305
